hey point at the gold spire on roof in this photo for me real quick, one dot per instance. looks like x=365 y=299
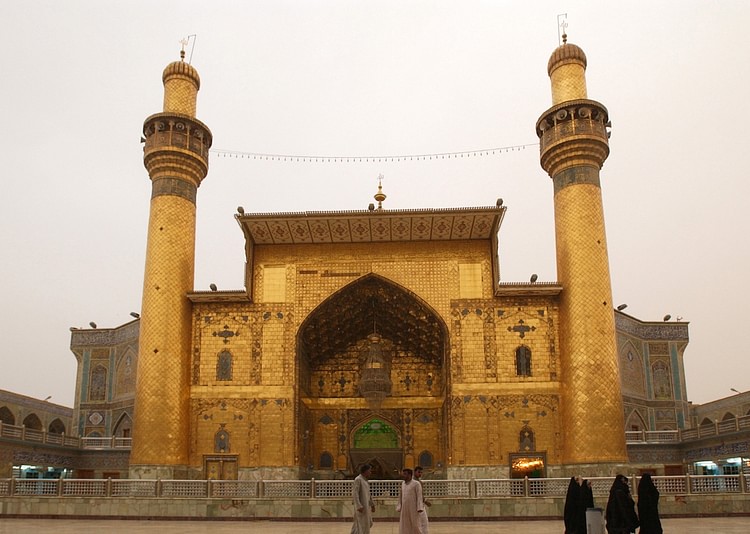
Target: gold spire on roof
x=380 y=196
x=184 y=42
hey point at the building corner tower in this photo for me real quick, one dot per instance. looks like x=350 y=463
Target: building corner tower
x=176 y=157
x=574 y=143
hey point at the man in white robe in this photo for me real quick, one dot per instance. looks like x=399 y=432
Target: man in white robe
x=410 y=504
x=424 y=523
x=364 y=506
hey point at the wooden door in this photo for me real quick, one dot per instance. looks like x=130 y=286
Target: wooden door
x=220 y=467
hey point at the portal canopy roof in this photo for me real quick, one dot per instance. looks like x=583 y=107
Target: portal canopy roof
x=372 y=226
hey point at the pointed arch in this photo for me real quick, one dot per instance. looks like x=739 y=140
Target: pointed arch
x=523 y=361
x=375 y=433
x=6 y=416
x=224 y=366
x=425 y=459
x=526 y=439
x=98 y=383
x=728 y=416
x=56 y=427
x=125 y=373
x=221 y=440
x=632 y=374
x=635 y=422
x=33 y=422
x=124 y=426
x=325 y=461
x=369 y=302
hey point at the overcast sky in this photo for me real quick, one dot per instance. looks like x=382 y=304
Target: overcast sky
x=346 y=78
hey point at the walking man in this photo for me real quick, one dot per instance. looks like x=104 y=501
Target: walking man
x=410 y=505
x=423 y=521
x=364 y=507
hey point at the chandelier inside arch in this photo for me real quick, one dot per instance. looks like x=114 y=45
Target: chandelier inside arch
x=375 y=373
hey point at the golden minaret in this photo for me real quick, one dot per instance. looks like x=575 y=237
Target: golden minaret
x=176 y=157
x=574 y=143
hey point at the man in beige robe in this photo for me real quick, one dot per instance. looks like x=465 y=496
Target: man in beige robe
x=364 y=507
x=410 y=505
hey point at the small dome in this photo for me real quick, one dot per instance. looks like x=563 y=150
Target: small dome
x=180 y=68
x=567 y=53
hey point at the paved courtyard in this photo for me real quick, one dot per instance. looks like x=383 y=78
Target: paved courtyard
x=701 y=525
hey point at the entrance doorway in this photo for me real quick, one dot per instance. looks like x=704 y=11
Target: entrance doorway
x=220 y=467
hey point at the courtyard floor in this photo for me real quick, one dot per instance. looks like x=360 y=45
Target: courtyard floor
x=695 y=525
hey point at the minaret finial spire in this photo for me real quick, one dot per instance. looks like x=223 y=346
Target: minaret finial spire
x=380 y=196
x=562 y=24
x=184 y=42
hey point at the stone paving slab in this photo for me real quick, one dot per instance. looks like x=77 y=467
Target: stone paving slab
x=699 y=525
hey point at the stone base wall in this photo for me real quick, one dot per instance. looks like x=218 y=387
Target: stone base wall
x=332 y=509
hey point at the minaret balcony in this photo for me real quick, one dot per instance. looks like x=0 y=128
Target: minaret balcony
x=572 y=133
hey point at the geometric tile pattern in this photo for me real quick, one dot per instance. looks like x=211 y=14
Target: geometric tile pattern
x=565 y=86
x=593 y=419
x=161 y=416
x=160 y=434
x=372 y=226
x=573 y=148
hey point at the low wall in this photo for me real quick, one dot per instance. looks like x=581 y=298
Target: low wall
x=332 y=509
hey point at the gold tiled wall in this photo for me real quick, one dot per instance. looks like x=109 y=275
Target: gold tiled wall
x=256 y=405
x=485 y=428
x=180 y=95
x=164 y=343
x=427 y=431
x=533 y=324
x=568 y=83
x=593 y=410
x=486 y=334
x=323 y=269
x=490 y=402
x=260 y=429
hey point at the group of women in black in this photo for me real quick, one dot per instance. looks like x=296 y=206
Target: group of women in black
x=620 y=513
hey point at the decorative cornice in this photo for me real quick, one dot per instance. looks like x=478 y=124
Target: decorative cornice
x=231 y=296
x=105 y=337
x=652 y=330
x=364 y=226
x=526 y=289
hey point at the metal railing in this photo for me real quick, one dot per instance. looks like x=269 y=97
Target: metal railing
x=23 y=433
x=342 y=489
x=717 y=428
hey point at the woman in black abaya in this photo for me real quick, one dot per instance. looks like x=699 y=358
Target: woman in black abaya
x=571 y=514
x=621 y=516
x=648 y=506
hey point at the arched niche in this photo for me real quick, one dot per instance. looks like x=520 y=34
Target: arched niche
x=124 y=426
x=33 y=422
x=6 y=416
x=329 y=337
x=56 y=427
x=635 y=422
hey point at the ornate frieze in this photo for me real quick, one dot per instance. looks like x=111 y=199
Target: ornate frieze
x=666 y=331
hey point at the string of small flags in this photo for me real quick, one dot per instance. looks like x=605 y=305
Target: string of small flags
x=222 y=153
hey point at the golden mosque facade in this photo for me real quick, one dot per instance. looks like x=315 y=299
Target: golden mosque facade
x=380 y=336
